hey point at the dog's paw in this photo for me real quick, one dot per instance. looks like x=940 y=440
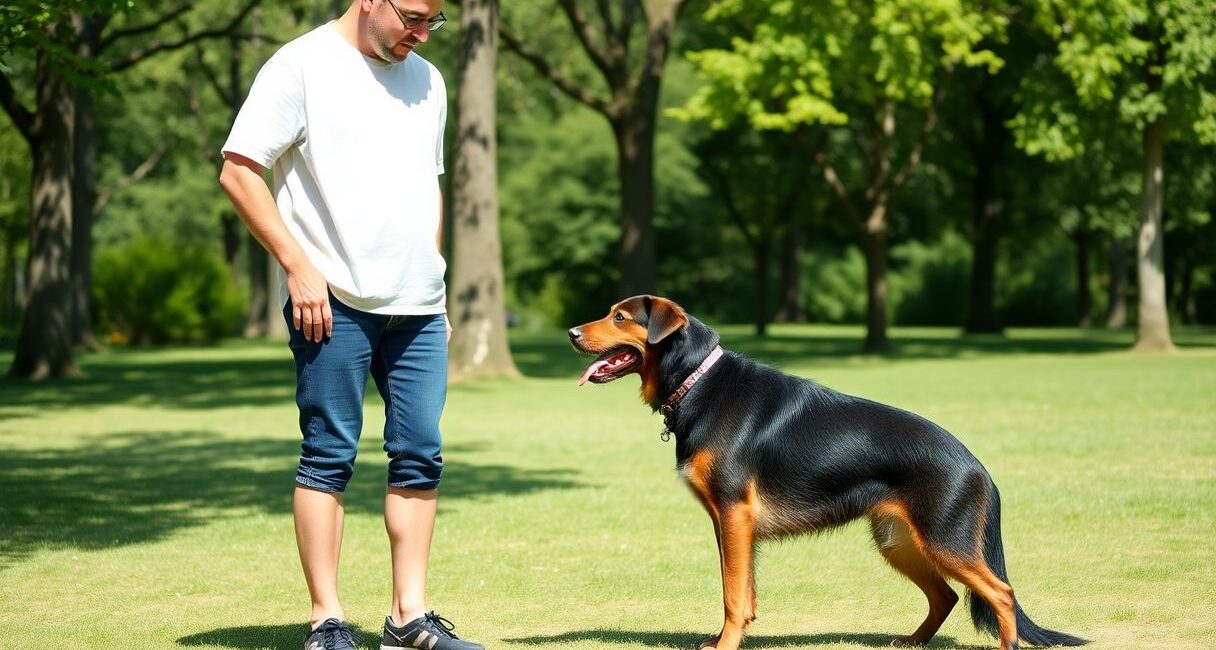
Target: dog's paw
x=708 y=644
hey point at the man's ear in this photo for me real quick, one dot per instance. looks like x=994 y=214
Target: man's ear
x=663 y=318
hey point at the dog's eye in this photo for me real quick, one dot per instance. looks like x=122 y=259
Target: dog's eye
x=619 y=317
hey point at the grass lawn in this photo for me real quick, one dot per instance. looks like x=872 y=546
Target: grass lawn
x=148 y=505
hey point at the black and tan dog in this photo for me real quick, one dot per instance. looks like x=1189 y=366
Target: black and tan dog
x=770 y=455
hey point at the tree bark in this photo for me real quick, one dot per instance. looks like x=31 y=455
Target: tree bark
x=44 y=344
x=792 y=303
x=987 y=206
x=477 y=306
x=635 y=170
x=874 y=247
x=1152 y=320
x=762 y=254
x=84 y=194
x=1081 y=238
x=1116 y=288
x=84 y=190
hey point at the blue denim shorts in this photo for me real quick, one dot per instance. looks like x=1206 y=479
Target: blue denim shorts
x=407 y=356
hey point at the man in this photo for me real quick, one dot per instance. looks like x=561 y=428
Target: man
x=353 y=128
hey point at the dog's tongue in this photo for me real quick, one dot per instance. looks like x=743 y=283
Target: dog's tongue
x=595 y=365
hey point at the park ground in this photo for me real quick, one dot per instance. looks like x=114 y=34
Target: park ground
x=147 y=505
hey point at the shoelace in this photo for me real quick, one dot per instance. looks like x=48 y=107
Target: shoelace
x=332 y=633
x=442 y=624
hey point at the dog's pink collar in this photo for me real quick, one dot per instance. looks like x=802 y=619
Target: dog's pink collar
x=692 y=379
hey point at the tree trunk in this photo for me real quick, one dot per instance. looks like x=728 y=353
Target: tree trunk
x=44 y=344
x=1185 y=303
x=874 y=246
x=9 y=302
x=987 y=205
x=762 y=254
x=476 y=303
x=257 y=323
x=792 y=304
x=635 y=171
x=1152 y=321
x=981 y=306
x=1116 y=289
x=84 y=195
x=84 y=189
x=1081 y=238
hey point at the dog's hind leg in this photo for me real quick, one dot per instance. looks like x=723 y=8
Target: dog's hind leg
x=897 y=541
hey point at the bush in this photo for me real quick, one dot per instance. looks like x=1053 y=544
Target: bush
x=1039 y=287
x=928 y=282
x=153 y=292
x=835 y=286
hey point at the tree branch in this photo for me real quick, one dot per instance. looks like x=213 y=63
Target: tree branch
x=719 y=178
x=583 y=30
x=21 y=116
x=814 y=151
x=563 y=83
x=212 y=77
x=112 y=37
x=227 y=30
x=658 y=42
x=136 y=175
x=605 y=9
x=629 y=13
x=926 y=127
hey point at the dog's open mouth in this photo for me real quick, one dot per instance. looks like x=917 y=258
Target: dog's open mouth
x=611 y=365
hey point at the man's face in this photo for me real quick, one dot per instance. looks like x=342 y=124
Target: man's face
x=390 y=38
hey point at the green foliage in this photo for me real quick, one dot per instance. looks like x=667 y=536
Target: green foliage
x=928 y=281
x=155 y=292
x=1123 y=61
x=835 y=284
x=1038 y=286
x=800 y=62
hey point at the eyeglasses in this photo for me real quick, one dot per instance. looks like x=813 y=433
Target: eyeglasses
x=414 y=22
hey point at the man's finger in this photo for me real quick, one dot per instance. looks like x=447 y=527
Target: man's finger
x=308 y=320
x=327 y=315
x=296 y=318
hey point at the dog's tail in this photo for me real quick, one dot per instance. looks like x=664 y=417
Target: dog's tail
x=982 y=614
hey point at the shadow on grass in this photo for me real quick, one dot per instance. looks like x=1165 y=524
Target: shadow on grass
x=550 y=356
x=686 y=641
x=140 y=487
x=261 y=637
x=225 y=381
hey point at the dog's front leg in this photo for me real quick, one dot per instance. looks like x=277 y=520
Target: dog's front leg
x=736 y=526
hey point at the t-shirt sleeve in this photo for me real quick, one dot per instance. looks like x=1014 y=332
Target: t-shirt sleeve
x=443 y=119
x=272 y=117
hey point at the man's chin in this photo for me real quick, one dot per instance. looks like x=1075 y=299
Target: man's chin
x=399 y=51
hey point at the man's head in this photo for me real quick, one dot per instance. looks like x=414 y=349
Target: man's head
x=391 y=29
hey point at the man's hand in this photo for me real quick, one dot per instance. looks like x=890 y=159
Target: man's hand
x=310 y=302
x=448 y=325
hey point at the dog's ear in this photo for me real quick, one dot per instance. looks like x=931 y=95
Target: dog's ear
x=663 y=318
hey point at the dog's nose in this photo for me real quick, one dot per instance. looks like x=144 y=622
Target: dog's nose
x=575 y=334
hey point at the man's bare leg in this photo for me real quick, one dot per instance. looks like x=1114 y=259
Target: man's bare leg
x=318 y=517
x=409 y=517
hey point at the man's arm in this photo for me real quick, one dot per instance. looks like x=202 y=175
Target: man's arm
x=241 y=179
x=439 y=244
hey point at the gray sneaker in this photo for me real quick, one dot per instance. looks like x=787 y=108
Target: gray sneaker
x=332 y=634
x=427 y=632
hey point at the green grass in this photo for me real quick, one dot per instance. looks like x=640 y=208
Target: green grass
x=148 y=505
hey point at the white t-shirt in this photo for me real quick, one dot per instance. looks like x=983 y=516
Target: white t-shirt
x=357 y=149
